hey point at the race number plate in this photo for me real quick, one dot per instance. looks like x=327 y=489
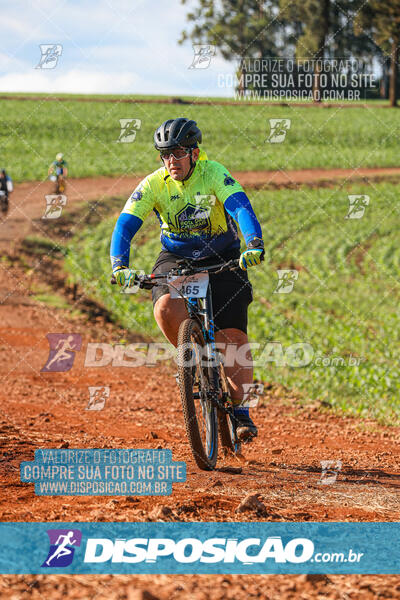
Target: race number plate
x=191 y=286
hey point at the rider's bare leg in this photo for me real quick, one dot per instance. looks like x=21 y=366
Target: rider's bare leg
x=239 y=370
x=239 y=375
x=169 y=314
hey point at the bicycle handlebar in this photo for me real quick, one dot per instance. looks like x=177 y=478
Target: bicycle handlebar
x=188 y=268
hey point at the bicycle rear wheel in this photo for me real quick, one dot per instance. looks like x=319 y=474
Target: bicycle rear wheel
x=199 y=411
x=226 y=423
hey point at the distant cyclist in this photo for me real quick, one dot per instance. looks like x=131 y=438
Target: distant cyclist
x=59 y=166
x=58 y=172
x=197 y=203
x=6 y=187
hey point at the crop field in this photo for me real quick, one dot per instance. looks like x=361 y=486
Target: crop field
x=33 y=131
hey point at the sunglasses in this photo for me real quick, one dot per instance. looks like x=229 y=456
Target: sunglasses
x=177 y=154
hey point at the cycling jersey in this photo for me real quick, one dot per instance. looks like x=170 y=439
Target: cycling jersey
x=59 y=166
x=197 y=216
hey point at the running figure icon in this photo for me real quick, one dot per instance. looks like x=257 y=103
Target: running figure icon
x=63 y=347
x=63 y=544
x=62 y=548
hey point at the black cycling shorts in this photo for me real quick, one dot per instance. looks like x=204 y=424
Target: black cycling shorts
x=231 y=291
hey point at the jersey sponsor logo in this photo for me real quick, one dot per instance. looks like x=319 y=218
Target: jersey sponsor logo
x=137 y=194
x=175 y=197
x=193 y=219
x=228 y=180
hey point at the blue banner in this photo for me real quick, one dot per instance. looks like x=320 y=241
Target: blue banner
x=202 y=548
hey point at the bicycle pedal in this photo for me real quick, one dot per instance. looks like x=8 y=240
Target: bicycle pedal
x=247 y=438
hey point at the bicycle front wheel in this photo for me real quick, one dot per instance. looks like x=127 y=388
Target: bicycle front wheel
x=199 y=411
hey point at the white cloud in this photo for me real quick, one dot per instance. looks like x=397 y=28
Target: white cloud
x=18 y=24
x=73 y=81
x=109 y=46
x=84 y=81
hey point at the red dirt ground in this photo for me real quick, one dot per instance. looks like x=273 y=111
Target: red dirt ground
x=41 y=410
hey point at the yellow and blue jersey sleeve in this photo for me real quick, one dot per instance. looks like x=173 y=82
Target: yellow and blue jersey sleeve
x=235 y=201
x=222 y=182
x=141 y=201
x=137 y=208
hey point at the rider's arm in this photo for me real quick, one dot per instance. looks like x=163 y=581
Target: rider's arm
x=137 y=208
x=124 y=230
x=239 y=207
x=235 y=201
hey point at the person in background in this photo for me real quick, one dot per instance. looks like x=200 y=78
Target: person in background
x=6 y=187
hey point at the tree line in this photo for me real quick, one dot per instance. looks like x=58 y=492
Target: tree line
x=318 y=30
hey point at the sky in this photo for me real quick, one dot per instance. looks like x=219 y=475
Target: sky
x=108 y=46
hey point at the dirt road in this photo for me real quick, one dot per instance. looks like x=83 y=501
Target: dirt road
x=283 y=465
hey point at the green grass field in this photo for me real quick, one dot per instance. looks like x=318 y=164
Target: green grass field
x=344 y=303
x=33 y=131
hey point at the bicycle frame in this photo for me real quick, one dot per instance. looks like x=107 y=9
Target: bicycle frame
x=199 y=309
x=207 y=324
x=213 y=394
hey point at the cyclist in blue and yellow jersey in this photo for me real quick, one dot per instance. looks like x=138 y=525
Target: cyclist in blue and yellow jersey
x=198 y=204
x=59 y=166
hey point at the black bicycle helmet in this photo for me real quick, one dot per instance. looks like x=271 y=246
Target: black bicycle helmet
x=177 y=132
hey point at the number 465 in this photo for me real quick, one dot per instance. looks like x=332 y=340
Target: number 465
x=190 y=289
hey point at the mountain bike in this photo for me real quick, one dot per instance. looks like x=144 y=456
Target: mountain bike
x=203 y=385
x=60 y=183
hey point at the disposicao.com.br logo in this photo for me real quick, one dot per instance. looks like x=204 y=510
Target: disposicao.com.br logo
x=191 y=554
x=190 y=550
